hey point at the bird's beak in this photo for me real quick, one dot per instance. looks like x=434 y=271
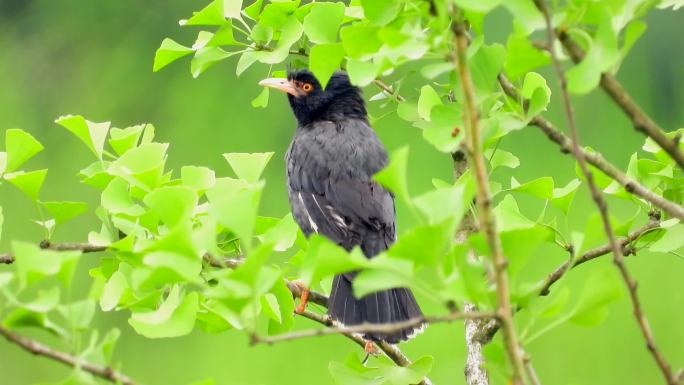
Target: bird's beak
x=280 y=84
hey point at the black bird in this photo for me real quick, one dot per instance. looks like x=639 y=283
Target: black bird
x=330 y=162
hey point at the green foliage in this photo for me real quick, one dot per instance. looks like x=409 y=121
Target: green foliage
x=189 y=248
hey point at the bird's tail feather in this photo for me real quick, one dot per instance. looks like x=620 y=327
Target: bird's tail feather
x=383 y=307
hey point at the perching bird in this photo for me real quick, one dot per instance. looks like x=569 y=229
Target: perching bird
x=330 y=163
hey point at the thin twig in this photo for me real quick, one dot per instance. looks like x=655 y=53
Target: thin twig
x=595 y=253
x=474 y=370
x=39 y=349
x=615 y=247
x=597 y=160
x=484 y=202
x=641 y=121
x=388 y=90
x=365 y=328
x=8 y=258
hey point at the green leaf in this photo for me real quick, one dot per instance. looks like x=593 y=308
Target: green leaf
x=234 y=205
x=172 y=204
x=206 y=57
x=360 y=40
x=424 y=245
x=485 y=66
x=500 y=158
x=174 y=318
x=169 y=267
x=113 y=291
x=537 y=92
x=324 y=258
x=508 y=215
x=125 y=139
x=361 y=72
x=480 y=6
x=199 y=178
x=521 y=55
x=64 y=211
x=21 y=147
x=427 y=100
x=413 y=374
x=446 y=203
x=232 y=8
x=34 y=264
x=393 y=177
x=283 y=234
x=323 y=21
x=78 y=315
x=381 y=12
x=116 y=198
x=291 y=32
x=29 y=183
x=248 y=166
x=3 y=162
x=602 y=288
x=540 y=187
x=212 y=14
x=563 y=197
x=324 y=60
x=26 y=318
x=252 y=11
x=142 y=166
x=601 y=56
x=285 y=308
x=168 y=52
x=261 y=101
x=672 y=240
x=2 y=220
x=92 y=134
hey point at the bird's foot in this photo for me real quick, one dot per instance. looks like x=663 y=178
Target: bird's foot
x=303 y=297
x=369 y=348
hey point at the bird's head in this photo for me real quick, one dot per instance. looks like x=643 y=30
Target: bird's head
x=311 y=103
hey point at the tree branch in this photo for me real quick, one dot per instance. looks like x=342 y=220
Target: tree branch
x=641 y=121
x=8 y=258
x=615 y=247
x=370 y=327
x=474 y=370
x=595 y=253
x=484 y=202
x=596 y=159
x=39 y=349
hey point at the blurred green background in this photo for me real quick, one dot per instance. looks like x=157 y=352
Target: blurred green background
x=95 y=58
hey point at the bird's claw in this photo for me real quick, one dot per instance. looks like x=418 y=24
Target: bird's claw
x=303 y=301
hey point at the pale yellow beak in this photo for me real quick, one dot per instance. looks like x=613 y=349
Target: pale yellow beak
x=280 y=84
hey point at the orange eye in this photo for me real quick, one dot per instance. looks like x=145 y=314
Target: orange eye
x=307 y=87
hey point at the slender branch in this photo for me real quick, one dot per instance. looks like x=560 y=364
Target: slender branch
x=597 y=160
x=641 y=121
x=388 y=90
x=556 y=275
x=371 y=327
x=615 y=247
x=8 y=258
x=474 y=370
x=39 y=349
x=484 y=203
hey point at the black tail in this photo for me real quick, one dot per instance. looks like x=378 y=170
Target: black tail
x=383 y=307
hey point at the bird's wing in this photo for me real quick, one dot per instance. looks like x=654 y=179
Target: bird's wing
x=351 y=212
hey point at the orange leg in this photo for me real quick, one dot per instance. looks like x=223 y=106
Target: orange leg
x=304 y=299
x=369 y=347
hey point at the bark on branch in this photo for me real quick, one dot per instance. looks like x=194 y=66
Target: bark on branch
x=641 y=121
x=484 y=201
x=371 y=328
x=618 y=257
x=596 y=159
x=39 y=349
